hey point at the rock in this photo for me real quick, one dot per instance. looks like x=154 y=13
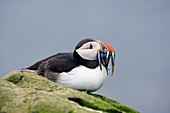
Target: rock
x=29 y=93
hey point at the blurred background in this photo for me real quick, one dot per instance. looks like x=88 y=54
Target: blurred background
x=138 y=30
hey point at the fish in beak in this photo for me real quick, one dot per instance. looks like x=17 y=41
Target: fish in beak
x=106 y=54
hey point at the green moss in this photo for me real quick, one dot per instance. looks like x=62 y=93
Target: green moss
x=30 y=81
x=116 y=104
x=94 y=106
x=36 y=94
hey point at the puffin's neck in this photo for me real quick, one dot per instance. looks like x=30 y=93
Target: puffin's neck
x=87 y=63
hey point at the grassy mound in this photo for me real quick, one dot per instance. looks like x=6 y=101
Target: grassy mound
x=29 y=93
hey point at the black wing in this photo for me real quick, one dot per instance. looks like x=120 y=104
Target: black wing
x=61 y=62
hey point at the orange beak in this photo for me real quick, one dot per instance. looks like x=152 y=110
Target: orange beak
x=110 y=48
x=105 y=54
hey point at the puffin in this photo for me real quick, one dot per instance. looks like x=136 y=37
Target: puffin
x=84 y=69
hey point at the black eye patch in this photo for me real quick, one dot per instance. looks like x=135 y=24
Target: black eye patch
x=91 y=47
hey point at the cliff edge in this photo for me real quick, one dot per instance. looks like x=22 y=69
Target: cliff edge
x=29 y=93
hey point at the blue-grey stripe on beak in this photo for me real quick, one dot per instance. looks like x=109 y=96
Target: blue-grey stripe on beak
x=105 y=55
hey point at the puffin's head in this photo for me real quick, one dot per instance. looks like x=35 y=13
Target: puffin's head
x=90 y=49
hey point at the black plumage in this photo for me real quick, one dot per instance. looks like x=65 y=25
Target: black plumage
x=52 y=66
x=83 y=42
x=62 y=62
x=70 y=69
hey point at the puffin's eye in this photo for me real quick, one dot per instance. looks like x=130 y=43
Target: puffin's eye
x=91 y=47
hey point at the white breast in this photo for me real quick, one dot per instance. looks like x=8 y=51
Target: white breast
x=83 y=78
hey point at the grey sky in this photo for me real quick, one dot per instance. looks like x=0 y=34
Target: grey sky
x=138 y=30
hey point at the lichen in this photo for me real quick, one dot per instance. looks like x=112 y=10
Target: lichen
x=29 y=93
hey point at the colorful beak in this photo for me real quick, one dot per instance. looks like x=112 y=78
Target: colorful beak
x=105 y=54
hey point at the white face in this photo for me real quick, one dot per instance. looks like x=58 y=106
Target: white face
x=89 y=50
